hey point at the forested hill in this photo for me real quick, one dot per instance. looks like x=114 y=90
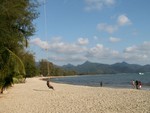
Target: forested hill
x=98 y=68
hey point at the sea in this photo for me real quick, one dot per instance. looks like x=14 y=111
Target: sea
x=122 y=80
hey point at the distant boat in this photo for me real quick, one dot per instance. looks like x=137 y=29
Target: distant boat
x=141 y=73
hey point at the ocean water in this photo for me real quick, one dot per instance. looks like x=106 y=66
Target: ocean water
x=123 y=80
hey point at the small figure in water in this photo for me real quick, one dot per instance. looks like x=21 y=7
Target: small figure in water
x=49 y=85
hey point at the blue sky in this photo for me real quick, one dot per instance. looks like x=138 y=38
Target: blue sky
x=104 y=31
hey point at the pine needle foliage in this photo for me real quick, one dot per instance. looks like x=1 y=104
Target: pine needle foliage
x=16 y=26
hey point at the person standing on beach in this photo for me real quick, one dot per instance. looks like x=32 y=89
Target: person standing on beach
x=101 y=83
x=137 y=84
x=133 y=83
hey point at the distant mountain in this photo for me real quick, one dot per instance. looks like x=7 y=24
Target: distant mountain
x=68 y=67
x=144 y=68
x=124 y=67
x=98 y=68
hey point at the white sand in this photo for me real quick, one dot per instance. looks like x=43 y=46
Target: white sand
x=35 y=97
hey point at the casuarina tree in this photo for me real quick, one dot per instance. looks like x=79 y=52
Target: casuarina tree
x=16 y=26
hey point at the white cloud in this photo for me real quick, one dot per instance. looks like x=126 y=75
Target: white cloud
x=74 y=52
x=138 y=53
x=101 y=52
x=131 y=49
x=123 y=20
x=114 y=39
x=58 y=46
x=83 y=41
x=60 y=51
x=140 y=49
x=56 y=39
x=65 y=48
x=107 y=28
x=98 y=4
x=68 y=58
x=40 y=43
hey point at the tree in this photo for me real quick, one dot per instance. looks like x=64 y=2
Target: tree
x=45 y=66
x=29 y=63
x=53 y=69
x=16 y=26
x=10 y=66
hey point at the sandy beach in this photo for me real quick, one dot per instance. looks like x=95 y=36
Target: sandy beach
x=35 y=97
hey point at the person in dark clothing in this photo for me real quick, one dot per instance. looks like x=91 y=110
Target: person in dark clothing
x=137 y=84
x=101 y=83
x=49 y=85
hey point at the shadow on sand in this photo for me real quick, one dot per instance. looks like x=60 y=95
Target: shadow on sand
x=42 y=90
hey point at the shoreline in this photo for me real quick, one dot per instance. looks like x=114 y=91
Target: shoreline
x=35 y=97
x=96 y=84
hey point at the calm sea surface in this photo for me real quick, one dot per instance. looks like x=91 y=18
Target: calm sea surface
x=108 y=80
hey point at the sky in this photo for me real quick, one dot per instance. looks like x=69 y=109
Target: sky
x=102 y=31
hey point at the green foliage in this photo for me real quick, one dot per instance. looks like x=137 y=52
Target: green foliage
x=44 y=67
x=54 y=70
x=29 y=63
x=11 y=66
x=16 y=17
x=16 y=26
x=18 y=80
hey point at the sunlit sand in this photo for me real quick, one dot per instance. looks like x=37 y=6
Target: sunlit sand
x=35 y=97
